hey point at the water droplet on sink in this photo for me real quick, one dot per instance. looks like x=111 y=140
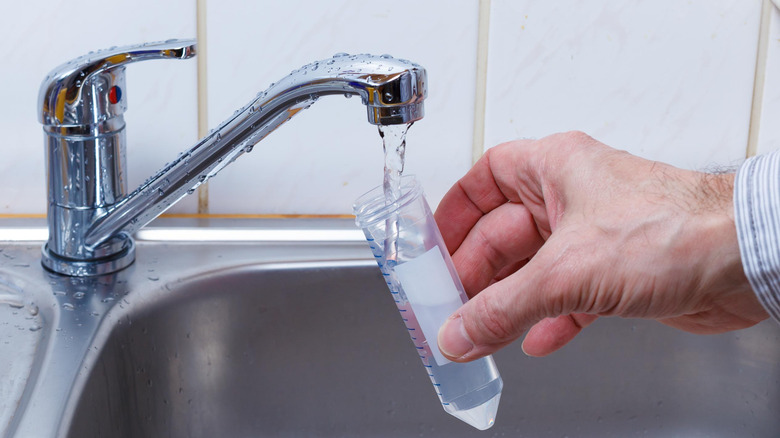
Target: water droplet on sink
x=340 y=55
x=153 y=277
x=35 y=328
x=78 y=295
x=386 y=56
x=68 y=306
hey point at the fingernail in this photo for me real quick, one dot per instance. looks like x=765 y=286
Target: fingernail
x=453 y=341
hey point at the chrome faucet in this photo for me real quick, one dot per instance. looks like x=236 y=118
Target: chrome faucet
x=91 y=216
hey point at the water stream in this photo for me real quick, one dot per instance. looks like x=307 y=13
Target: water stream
x=394 y=144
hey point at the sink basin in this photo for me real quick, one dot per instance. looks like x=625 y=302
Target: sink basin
x=301 y=338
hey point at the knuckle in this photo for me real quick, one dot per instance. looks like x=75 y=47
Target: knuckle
x=492 y=324
x=578 y=137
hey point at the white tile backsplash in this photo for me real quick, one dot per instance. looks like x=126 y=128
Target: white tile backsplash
x=669 y=80
x=769 y=133
x=37 y=37
x=322 y=160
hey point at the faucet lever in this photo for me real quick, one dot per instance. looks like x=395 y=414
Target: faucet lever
x=88 y=90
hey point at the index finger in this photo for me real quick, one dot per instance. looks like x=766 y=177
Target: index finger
x=473 y=196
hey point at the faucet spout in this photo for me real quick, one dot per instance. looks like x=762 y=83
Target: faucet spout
x=393 y=91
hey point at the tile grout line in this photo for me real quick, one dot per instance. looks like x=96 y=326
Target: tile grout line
x=483 y=34
x=758 y=81
x=203 y=115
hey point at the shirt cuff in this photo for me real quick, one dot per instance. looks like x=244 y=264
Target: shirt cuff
x=757 y=217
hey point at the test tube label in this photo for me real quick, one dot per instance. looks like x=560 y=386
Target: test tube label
x=432 y=294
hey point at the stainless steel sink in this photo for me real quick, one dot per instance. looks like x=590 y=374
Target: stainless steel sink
x=298 y=336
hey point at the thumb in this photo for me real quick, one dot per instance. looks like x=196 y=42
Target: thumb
x=495 y=317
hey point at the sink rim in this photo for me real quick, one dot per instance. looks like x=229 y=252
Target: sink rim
x=211 y=230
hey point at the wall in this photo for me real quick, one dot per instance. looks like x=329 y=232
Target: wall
x=667 y=80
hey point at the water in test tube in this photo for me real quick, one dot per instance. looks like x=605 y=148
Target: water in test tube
x=426 y=289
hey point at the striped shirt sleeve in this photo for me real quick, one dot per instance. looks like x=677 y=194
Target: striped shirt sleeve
x=757 y=217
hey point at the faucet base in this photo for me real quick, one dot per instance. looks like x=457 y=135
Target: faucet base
x=89 y=268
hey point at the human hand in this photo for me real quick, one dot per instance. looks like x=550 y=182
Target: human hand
x=549 y=234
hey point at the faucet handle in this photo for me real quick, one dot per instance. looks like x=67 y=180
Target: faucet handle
x=88 y=91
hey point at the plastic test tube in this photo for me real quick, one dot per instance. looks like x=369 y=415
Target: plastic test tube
x=427 y=290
